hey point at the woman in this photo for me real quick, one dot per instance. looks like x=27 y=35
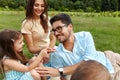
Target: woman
x=36 y=27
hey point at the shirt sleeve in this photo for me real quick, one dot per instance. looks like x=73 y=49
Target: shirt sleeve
x=90 y=50
x=26 y=27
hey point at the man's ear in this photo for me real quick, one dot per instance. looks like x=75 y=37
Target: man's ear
x=70 y=26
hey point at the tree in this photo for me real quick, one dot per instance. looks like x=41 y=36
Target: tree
x=106 y=5
x=114 y=5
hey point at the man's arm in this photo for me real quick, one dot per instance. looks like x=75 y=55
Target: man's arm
x=49 y=71
x=70 y=69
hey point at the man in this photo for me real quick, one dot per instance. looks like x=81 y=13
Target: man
x=74 y=48
x=91 y=70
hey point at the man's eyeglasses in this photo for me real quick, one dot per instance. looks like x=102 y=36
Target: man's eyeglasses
x=58 y=29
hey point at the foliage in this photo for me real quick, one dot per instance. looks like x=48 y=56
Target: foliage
x=110 y=5
x=67 y=5
x=13 y=4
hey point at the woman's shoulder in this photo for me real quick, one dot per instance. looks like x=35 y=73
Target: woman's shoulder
x=27 y=22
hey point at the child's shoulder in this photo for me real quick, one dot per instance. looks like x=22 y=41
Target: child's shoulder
x=7 y=60
x=8 y=63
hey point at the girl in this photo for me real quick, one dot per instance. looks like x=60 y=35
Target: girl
x=12 y=60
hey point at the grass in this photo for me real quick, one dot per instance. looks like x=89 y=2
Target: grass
x=12 y=20
x=105 y=30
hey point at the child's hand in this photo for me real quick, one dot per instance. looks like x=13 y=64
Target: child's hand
x=43 y=53
x=46 y=59
x=49 y=50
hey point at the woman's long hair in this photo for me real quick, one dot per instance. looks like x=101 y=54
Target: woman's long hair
x=43 y=16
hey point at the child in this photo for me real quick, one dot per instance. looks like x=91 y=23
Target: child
x=13 y=62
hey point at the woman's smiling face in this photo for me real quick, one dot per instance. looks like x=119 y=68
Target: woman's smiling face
x=38 y=7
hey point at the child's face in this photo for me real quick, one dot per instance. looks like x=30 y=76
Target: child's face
x=18 y=45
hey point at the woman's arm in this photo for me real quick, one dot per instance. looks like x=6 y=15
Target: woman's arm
x=29 y=41
x=28 y=36
x=52 y=40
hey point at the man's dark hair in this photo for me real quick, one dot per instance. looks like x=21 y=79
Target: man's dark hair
x=64 y=18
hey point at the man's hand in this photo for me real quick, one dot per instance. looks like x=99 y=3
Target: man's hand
x=47 y=71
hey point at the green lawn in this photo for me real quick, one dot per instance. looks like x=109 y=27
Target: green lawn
x=105 y=30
